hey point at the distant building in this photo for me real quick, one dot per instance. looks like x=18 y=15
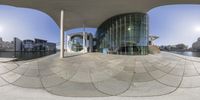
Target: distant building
x=152 y=38
x=28 y=45
x=181 y=47
x=40 y=45
x=167 y=48
x=6 y=46
x=51 y=46
x=17 y=45
x=196 y=45
x=178 y=47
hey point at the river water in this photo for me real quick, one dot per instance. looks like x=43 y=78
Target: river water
x=188 y=53
x=24 y=55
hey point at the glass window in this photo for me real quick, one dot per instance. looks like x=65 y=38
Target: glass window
x=124 y=34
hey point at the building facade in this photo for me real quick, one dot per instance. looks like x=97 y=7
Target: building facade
x=6 y=46
x=18 y=45
x=40 y=45
x=125 y=34
x=177 y=47
x=51 y=47
x=152 y=38
x=79 y=42
x=36 y=45
x=28 y=45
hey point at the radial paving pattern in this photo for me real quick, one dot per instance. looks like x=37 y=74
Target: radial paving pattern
x=98 y=75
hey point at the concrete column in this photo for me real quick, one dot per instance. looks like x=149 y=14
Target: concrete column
x=68 y=43
x=91 y=43
x=84 y=43
x=62 y=34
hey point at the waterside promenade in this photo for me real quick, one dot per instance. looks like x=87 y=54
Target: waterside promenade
x=6 y=59
x=90 y=76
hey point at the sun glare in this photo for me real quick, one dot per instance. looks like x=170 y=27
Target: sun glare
x=197 y=28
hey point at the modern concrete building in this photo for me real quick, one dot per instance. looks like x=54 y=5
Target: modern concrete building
x=28 y=45
x=44 y=45
x=80 y=42
x=40 y=45
x=92 y=13
x=152 y=38
x=18 y=44
x=51 y=47
x=36 y=45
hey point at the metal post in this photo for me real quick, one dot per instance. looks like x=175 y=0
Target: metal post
x=117 y=38
x=62 y=34
x=125 y=35
x=120 y=36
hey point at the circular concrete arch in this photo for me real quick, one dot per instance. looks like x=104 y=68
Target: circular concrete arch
x=91 y=12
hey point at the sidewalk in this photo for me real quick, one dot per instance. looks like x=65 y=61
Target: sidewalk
x=6 y=59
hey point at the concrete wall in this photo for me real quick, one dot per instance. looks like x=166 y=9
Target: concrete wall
x=17 y=44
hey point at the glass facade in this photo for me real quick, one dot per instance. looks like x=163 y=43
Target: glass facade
x=125 y=34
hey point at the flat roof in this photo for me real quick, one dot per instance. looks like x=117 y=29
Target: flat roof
x=91 y=12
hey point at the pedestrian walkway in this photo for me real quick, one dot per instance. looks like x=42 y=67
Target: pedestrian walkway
x=99 y=75
x=6 y=59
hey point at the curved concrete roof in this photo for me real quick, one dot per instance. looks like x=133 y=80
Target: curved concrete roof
x=91 y=12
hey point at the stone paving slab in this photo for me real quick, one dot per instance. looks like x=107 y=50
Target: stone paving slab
x=98 y=75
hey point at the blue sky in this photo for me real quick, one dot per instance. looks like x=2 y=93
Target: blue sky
x=26 y=24
x=173 y=24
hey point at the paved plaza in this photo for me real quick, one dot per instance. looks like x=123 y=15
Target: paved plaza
x=95 y=75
